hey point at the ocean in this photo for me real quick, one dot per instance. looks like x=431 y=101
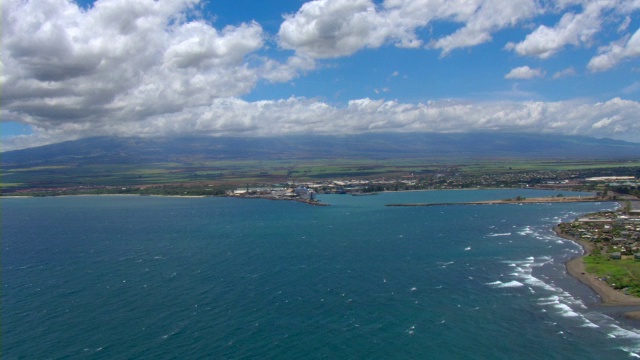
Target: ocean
x=130 y=277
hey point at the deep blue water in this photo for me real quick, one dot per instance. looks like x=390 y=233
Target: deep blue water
x=193 y=278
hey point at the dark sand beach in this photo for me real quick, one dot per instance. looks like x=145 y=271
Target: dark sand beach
x=609 y=295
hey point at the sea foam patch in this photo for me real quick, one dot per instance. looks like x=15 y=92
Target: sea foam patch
x=618 y=332
x=560 y=301
x=499 y=234
x=509 y=284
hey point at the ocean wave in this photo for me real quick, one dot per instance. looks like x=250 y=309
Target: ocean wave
x=510 y=284
x=566 y=310
x=499 y=234
x=589 y=324
x=525 y=231
x=631 y=353
x=619 y=332
x=444 y=264
x=556 y=300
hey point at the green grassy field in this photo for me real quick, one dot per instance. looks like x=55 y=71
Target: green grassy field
x=620 y=274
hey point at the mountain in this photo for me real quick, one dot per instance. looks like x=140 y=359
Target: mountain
x=134 y=150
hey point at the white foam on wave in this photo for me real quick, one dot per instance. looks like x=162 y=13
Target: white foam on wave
x=510 y=284
x=619 y=332
x=560 y=304
x=552 y=300
x=525 y=231
x=559 y=300
x=589 y=324
x=566 y=310
x=526 y=262
x=499 y=234
x=631 y=353
x=534 y=281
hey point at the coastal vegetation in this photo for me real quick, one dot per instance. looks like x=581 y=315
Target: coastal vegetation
x=623 y=274
x=612 y=243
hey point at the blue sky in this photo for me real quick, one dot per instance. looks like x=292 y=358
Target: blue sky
x=245 y=68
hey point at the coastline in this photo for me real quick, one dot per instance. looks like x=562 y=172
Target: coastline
x=540 y=200
x=609 y=296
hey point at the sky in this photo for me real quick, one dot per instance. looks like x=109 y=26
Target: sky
x=71 y=70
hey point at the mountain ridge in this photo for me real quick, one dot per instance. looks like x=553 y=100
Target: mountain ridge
x=118 y=150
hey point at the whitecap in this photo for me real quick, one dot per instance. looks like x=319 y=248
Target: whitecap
x=565 y=310
x=525 y=231
x=499 y=234
x=589 y=324
x=533 y=281
x=510 y=284
x=623 y=333
x=553 y=300
x=631 y=353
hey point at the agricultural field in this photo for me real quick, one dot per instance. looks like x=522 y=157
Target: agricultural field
x=423 y=160
x=228 y=174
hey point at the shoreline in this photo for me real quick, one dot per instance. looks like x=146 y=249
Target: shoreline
x=540 y=200
x=609 y=296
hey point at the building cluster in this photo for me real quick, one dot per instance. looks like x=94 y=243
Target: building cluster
x=279 y=193
x=540 y=179
x=614 y=233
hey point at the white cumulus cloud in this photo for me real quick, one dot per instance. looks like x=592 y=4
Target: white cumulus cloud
x=572 y=29
x=489 y=17
x=153 y=68
x=121 y=60
x=616 y=52
x=524 y=73
x=332 y=28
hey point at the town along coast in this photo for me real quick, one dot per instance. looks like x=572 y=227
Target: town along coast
x=610 y=242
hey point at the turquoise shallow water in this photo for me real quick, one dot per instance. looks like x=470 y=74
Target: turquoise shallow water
x=148 y=278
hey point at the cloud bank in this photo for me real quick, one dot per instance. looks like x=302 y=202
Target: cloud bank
x=151 y=68
x=615 y=118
